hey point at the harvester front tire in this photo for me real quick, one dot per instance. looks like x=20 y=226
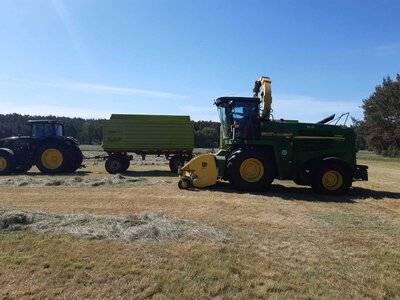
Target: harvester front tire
x=52 y=158
x=331 y=179
x=250 y=169
x=7 y=161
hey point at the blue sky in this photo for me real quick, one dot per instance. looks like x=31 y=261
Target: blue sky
x=91 y=58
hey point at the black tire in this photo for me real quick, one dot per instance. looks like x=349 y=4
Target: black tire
x=250 y=169
x=184 y=184
x=176 y=162
x=75 y=158
x=52 y=158
x=7 y=161
x=115 y=163
x=331 y=178
x=127 y=163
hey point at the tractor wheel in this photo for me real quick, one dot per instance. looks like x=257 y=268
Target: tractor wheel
x=116 y=163
x=176 y=162
x=331 y=179
x=184 y=184
x=52 y=158
x=7 y=161
x=75 y=158
x=250 y=169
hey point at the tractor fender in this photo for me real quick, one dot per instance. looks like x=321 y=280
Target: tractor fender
x=337 y=160
x=268 y=150
x=61 y=141
x=7 y=150
x=313 y=165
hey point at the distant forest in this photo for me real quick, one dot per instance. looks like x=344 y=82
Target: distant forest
x=88 y=131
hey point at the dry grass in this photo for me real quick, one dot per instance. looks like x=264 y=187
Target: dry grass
x=287 y=243
x=136 y=227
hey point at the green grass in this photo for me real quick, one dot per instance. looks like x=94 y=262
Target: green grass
x=358 y=222
x=369 y=155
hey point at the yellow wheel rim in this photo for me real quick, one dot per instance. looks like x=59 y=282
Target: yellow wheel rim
x=251 y=170
x=332 y=180
x=3 y=164
x=184 y=184
x=52 y=158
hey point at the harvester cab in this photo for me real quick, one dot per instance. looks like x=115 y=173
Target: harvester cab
x=255 y=149
x=240 y=117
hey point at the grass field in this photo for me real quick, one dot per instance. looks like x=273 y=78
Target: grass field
x=285 y=243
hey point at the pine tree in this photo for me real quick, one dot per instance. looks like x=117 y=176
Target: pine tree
x=382 y=118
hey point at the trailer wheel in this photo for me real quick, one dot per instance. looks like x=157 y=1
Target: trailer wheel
x=115 y=164
x=176 y=162
x=332 y=178
x=184 y=184
x=126 y=162
x=52 y=158
x=250 y=169
x=7 y=161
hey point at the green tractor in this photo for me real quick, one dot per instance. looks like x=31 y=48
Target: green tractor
x=46 y=147
x=255 y=150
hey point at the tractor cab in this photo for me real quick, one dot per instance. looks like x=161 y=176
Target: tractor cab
x=46 y=128
x=239 y=117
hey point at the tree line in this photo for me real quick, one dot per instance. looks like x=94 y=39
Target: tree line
x=89 y=131
x=380 y=129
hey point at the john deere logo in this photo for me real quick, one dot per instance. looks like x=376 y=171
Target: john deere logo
x=204 y=164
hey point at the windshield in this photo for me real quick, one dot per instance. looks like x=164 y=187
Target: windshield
x=58 y=130
x=224 y=121
x=46 y=129
x=244 y=111
x=240 y=118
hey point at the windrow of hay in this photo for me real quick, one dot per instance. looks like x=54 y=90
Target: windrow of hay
x=78 y=181
x=146 y=227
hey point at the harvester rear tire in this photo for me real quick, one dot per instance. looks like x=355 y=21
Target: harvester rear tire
x=52 y=158
x=7 y=161
x=250 y=169
x=331 y=178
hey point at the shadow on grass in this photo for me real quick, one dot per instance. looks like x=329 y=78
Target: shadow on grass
x=150 y=173
x=70 y=174
x=306 y=194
